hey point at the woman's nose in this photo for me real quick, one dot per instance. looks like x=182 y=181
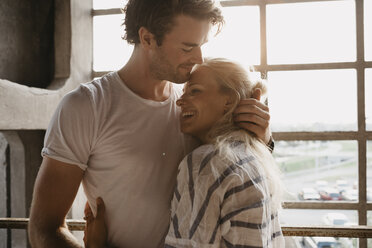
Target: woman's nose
x=180 y=102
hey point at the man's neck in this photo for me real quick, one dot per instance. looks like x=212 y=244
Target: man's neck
x=137 y=77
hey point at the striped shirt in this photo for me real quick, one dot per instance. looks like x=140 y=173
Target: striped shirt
x=217 y=203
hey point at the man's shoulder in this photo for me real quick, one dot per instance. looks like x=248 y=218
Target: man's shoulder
x=96 y=92
x=100 y=85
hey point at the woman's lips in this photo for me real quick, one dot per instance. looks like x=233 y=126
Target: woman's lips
x=187 y=115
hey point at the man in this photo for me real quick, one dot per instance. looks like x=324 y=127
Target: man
x=120 y=135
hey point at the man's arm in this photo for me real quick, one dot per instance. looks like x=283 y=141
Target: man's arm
x=254 y=116
x=55 y=189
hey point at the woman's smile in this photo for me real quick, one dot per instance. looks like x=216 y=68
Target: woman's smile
x=187 y=114
x=202 y=104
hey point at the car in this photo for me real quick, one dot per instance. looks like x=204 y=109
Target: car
x=335 y=219
x=330 y=194
x=326 y=242
x=320 y=242
x=342 y=185
x=350 y=195
x=308 y=194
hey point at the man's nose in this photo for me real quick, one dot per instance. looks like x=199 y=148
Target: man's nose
x=197 y=56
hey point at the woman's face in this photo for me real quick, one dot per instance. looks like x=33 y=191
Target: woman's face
x=202 y=104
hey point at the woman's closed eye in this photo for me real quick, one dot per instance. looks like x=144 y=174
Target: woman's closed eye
x=195 y=91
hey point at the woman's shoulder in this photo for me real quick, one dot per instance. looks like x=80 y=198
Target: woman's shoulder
x=236 y=148
x=210 y=158
x=201 y=156
x=203 y=150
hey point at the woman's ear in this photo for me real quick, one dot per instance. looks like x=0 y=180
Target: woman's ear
x=229 y=102
x=257 y=94
x=146 y=38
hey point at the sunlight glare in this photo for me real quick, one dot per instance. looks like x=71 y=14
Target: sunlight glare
x=239 y=39
x=321 y=100
x=110 y=52
x=368 y=29
x=316 y=32
x=368 y=99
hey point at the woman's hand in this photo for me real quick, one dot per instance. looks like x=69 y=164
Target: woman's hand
x=95 y=232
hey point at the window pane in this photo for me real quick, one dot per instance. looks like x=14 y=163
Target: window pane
x=369 y=218
x=327 y=242
x=368 y=98
x=368 y=29
x=110 y=52
x=108 y=4
x=369 y=223
x=240 y=36
x=321 y=100
x=369 y=172
x=319 y=217
x=318 y=170
x=311 y=32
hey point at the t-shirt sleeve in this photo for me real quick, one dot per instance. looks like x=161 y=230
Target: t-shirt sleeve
x=70 y=133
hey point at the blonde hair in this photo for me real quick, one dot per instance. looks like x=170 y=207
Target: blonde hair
x=240 y=84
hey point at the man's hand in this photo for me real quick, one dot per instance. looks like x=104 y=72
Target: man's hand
x=95 y=232
x=254 y=116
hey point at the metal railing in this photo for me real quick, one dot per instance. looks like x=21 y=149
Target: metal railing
x=360 y=231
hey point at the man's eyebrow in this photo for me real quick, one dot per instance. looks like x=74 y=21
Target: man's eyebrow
x=189 y=44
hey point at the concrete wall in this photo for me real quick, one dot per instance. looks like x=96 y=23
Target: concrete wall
x=45 y=52
x=26 y=42
x=23 y=107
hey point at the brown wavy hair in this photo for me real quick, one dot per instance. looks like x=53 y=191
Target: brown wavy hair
x=158 y=16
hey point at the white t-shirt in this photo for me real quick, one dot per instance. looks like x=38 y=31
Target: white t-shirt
x=130 y=149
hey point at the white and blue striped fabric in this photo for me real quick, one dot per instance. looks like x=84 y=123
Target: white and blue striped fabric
x=219 y=203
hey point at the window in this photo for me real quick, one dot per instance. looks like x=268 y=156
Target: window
x=110 y=52
x=305 y=33
x=317 y=57
x=313 y=100
x=368 y=98
x=243 y=44
x=368 y=29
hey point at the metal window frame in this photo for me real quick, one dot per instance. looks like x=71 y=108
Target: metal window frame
x=311 y=231
x=361 y=135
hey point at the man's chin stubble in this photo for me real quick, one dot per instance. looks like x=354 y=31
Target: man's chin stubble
x=179 y=80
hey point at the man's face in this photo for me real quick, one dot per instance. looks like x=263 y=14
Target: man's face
x=180 y=50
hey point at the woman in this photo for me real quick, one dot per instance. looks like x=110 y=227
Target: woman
x=228 y=190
